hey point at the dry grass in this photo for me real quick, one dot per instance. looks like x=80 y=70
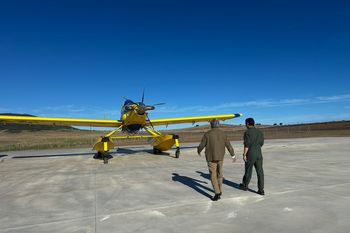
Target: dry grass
x=80 y=138
x=47 y=139
x=327 y=129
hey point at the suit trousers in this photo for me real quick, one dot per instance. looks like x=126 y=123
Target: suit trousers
x=215 y=169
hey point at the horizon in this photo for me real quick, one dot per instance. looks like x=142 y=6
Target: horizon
x=182 y=126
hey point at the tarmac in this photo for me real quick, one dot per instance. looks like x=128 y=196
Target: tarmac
x=306 y=183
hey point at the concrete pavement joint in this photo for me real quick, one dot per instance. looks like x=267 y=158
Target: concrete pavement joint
x=95 y=199
x=237 y=200
x=308 y=189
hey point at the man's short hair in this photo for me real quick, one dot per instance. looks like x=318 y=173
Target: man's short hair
x=250 y=121
x=214 y=123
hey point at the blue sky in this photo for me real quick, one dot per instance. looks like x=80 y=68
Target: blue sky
x=277 y=61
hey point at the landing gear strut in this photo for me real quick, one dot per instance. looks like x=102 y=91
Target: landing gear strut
x=177 y=152
x=102 y=147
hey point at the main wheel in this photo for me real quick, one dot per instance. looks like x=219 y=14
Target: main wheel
x=105 y=159
x=156 y=151
x=177 y=153
x=98 y=155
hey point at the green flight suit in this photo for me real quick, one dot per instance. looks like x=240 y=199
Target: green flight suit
x=254 y=140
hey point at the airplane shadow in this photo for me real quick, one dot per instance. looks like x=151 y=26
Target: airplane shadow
x=119 y=151
x=2 y=156
x=51 y=155
x=226 y=182
x=126 y=151
x=193 y=183
x=188 y=147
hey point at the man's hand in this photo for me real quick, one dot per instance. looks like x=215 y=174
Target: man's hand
x=233 y=158
x=245 y=152
x=245 y=158
x=199 y=152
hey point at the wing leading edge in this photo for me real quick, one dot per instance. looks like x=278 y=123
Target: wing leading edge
x=110 y=123
x=60 y=121
x=179 y=120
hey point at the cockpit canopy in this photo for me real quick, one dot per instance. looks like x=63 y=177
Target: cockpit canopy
x=128 y=102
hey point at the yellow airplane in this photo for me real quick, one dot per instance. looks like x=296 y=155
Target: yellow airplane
x=134 y=117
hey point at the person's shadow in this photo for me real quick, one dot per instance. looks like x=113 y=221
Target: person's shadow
x=226 y=182
x=193 y=183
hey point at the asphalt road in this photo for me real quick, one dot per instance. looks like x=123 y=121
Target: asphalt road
x=307 y=190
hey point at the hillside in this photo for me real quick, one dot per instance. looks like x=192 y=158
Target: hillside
x=235 y=132
x=68 y=137
x=17 y=128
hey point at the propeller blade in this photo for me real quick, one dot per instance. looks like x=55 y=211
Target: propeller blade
x=143 y=96
x=158 y=104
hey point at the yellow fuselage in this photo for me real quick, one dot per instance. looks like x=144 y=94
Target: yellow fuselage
x=133 y=121
x=132 y=117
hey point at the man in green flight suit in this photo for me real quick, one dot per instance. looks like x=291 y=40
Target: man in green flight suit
x=215 y=141
x=252 y=156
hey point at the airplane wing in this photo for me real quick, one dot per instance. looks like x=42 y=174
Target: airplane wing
x=179 y=120
x=60 y=121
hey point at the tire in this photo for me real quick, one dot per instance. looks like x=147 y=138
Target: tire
x=98 y=155
x=177 y=154
x=156 y=151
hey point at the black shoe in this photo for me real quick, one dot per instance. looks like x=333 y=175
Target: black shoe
x=216 y=197
x=243 y=187
x=261 y=192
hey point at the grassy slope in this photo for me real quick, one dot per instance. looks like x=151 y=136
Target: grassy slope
x=17 y=128
x=69 y=138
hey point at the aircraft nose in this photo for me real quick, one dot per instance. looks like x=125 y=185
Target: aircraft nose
x=143 y=109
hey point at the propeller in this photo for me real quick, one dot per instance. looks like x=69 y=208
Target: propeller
x=150 y=122
x=141 y=107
